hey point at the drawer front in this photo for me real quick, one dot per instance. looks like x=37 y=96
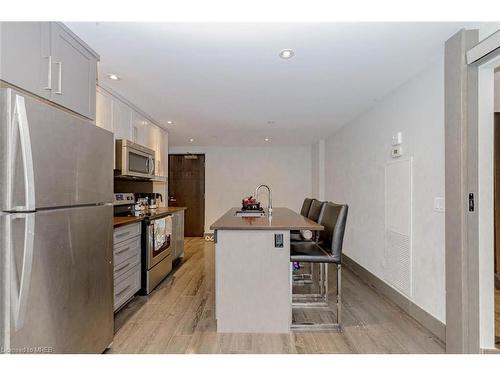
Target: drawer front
x=126 y=232
x=128 y=285
x=126 y=249
x=126 y=265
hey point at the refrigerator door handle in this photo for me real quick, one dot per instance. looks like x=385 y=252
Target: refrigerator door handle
x=20 y=287
x=21 y=119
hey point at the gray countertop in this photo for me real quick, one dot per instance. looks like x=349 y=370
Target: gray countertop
x=119 y=221
x=282 y=218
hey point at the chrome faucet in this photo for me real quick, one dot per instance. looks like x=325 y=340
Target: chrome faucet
x=270 y=198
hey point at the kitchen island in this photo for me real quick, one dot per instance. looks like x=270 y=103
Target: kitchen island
x=253 y=273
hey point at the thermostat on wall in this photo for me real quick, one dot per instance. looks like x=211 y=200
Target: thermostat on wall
x=397 y=151
x=397 y=139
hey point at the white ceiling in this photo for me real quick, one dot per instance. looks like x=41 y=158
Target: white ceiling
x=222 y=83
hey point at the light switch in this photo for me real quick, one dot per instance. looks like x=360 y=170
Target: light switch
x=439 y=205
x=397 y=139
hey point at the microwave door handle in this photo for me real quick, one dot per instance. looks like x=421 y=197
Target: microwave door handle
x=148 y=165
x=152 y=165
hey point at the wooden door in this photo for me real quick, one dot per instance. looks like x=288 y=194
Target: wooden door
x=497 y=226
x=497 y=199
x=186 y=188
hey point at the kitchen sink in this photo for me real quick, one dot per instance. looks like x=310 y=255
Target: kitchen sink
x=249 y=213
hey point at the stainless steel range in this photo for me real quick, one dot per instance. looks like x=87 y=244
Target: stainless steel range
x=157 y=246
x=157 y=241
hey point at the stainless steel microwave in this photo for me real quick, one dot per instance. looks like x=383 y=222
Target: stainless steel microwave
x=134 y=160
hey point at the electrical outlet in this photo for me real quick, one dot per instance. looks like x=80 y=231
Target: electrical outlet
x=278 y=240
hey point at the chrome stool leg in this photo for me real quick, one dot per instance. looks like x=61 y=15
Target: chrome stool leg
x=339 y=294
x=314 y=300
x=323 y=326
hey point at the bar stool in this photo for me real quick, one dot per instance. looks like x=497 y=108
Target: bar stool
x=327 y=250
x=306 y=205
x=314 y=214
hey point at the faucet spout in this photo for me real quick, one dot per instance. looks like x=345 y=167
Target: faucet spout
x=269 y=196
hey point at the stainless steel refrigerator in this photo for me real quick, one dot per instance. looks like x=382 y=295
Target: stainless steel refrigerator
x=56 y=188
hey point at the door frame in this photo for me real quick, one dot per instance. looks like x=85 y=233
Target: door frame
x=468 y=170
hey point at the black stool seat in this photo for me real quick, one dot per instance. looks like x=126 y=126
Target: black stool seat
x=314 y=212
x=310 y=252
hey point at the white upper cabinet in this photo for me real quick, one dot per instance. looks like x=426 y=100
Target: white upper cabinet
x=122 y=121
x=47 y=59
x=25 y=56
x=163 y=151
x=104 y=110
x=143 y=131
x=74 y=71
x=113 y=113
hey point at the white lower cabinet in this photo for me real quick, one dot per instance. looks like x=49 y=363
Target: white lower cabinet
x=127 y=263
x=126 y=286
x=178 y=234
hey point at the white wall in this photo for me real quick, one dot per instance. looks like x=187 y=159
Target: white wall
x=355 y=161
x=318 y=169
x=232 y=173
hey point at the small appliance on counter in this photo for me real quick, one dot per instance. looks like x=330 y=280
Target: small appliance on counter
x=250 y=204
x=150 y=199
x=250 y=208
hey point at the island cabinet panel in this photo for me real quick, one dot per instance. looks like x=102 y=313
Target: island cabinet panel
x=253 y=281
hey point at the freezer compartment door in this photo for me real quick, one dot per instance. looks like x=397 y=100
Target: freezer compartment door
x=60 y=280
x=49 y=157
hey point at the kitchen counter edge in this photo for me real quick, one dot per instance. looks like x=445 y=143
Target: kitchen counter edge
x=119 y=221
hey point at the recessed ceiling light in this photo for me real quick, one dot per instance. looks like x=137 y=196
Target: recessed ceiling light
x=191 y=140
x=287 y=53
x=169 y=122
x=113 y=77
x=266 y=139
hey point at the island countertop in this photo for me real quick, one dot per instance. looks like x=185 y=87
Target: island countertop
x=282 y=218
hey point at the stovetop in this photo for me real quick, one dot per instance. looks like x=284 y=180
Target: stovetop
x=150 y=213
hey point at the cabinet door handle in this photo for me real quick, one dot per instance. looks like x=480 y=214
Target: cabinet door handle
x=122 y=251
x=49 y=75
x=123 y=234
x=122 y=291
x=59 y=83
x=122 y=268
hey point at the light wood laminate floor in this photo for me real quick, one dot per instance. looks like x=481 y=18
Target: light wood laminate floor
x=178 y=317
